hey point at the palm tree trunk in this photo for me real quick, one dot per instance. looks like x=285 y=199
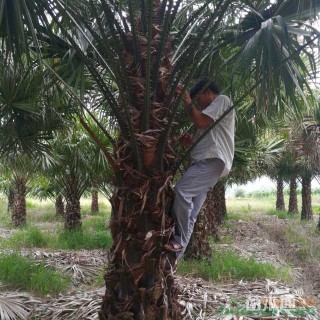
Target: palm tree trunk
x=306 y=212
x=220 y=204
x=293 y=201
x=199 y=245
x=10 y=200
x=280 y=198
x=19 y=211
x=94 y=201
x=140 y=283
x=59 y=205
x=72 y=216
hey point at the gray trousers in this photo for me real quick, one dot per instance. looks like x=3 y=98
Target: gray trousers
x=190 y=194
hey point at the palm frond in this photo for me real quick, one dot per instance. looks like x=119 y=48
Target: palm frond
x=16 y=306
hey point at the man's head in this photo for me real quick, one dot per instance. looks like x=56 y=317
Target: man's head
x=205 y=91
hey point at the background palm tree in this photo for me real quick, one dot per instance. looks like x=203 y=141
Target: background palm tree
x=77 y=161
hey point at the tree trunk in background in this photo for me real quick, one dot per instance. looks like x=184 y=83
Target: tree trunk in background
x=280 y=198
x=199 y=245
x=293 y=201
x=72 y=217
x=10 y=200
x=59 y=206
x=94 y=201
x=306 y=212
x=19 y=211
x=219 y=199
x=210 y=218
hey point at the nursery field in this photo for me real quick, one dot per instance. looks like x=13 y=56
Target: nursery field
x=262 y=255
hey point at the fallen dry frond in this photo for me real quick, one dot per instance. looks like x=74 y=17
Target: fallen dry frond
x=16 y=306
x=199 y=300
x=202 y=300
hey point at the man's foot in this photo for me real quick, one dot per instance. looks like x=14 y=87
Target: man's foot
x=173 y=247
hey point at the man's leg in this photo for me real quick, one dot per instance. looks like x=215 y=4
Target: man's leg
x=197 y=205
x=197 y=180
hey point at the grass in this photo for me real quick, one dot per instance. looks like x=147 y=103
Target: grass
x=282 y=214
x=93 y=235
x=21 y=273
x=227 y=265
x=29 y=237
x=264 y=201
x=41 y=212
x=81 y=239
x=239 y=216
x=306 y=237
x=99 y=281
x=45 y=230
x=250 y=205
x=5 y=218
x=316 y=209
x=227 y=239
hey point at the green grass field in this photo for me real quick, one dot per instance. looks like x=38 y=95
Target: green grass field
x=247 y=205
x=45 y=230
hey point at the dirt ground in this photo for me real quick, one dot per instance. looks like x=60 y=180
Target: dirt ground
x=265 y=239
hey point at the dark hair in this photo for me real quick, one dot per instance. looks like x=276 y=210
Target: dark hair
x=202 y=84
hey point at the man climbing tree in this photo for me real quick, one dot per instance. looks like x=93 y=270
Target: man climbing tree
x=211 y=158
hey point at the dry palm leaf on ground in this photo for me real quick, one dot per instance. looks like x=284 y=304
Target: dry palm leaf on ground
x=16 y=305
x=200 y=300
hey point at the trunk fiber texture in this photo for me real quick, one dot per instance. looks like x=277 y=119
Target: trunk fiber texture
x=306 y=212
x=280 y=206
x=59 y=205
x=140 y=282
x=293 y=200
x=19 y=211
x=72 y=217
x=94 y=201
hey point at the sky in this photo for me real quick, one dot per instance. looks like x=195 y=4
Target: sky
x=261 y=184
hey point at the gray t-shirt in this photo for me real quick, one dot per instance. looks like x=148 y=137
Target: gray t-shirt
x=219 y=142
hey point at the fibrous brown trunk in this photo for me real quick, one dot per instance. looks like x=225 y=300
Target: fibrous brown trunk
x=306 y=212
x=72 y=217
x=280 y=206
x=199 y=245
x=59 y=205
x=94 y=201
x=10 y=199
x=140 y=277
x=293 y=202
x=219 y=200
x=19 y=211
x=140 y=282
